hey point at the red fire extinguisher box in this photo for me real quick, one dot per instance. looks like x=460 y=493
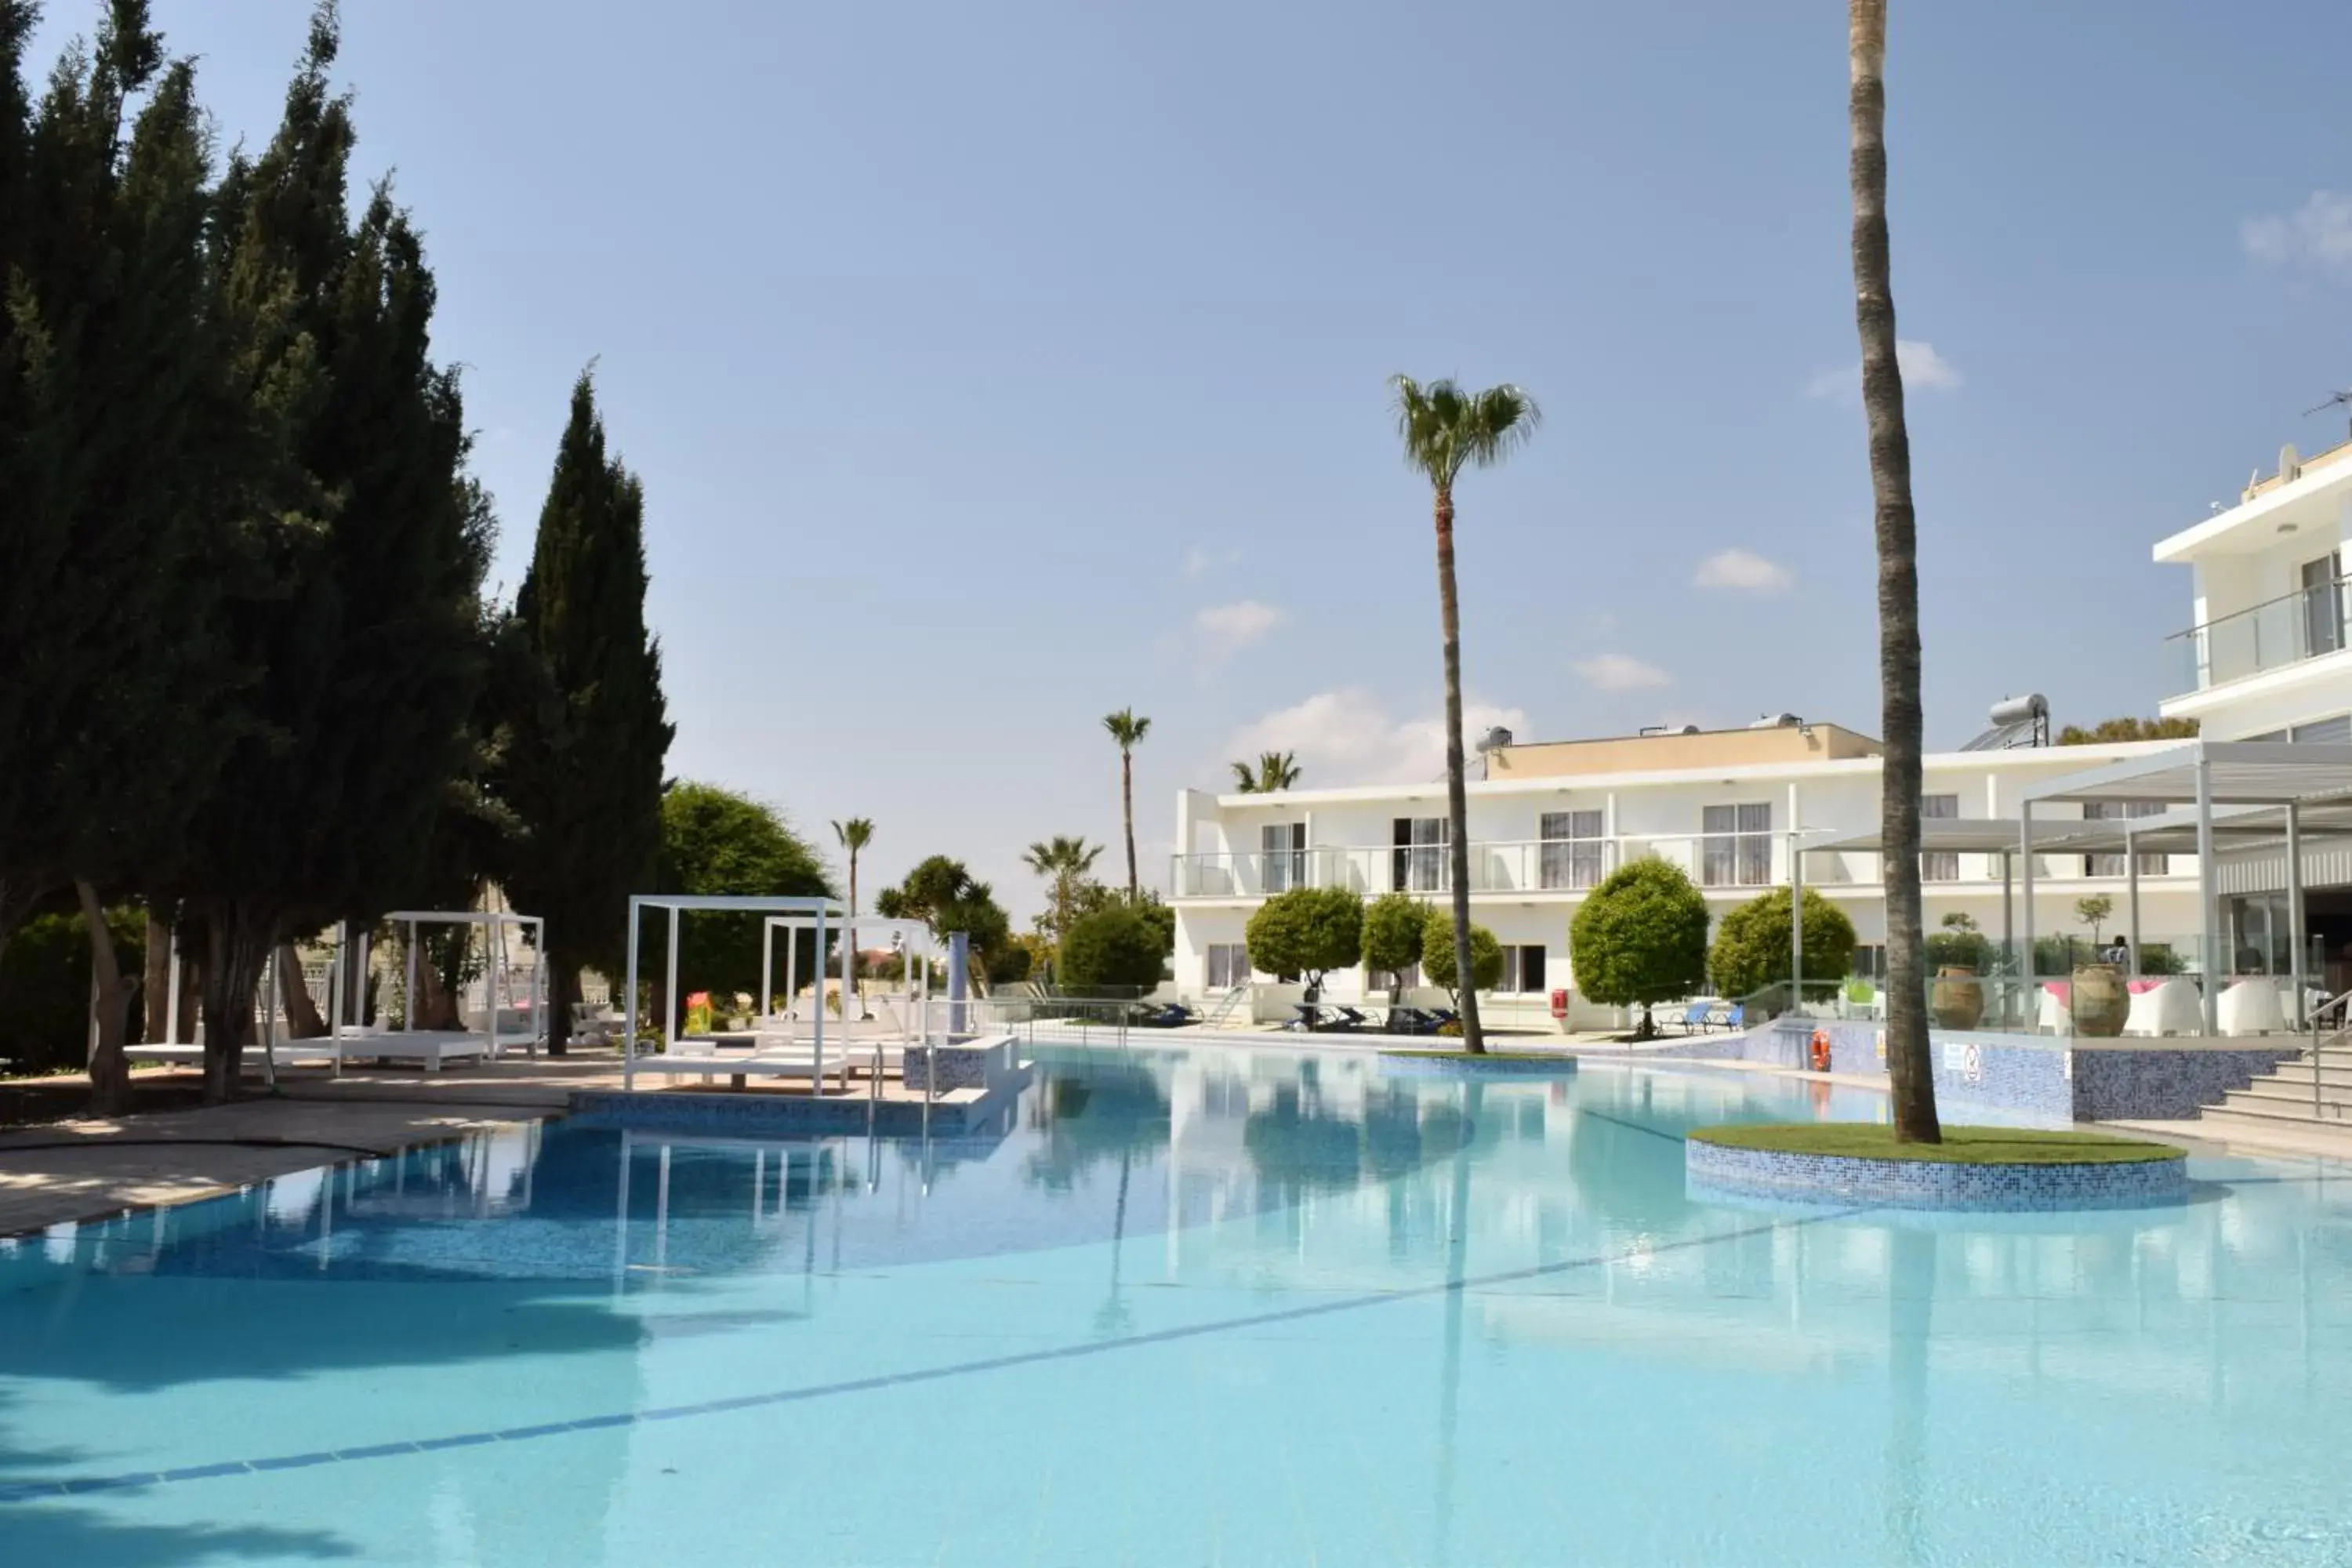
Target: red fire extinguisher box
x=1560 y=1004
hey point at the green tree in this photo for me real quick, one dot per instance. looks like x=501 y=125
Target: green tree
x=109 y=602
x=1958 y=945
x=2095 y=911
x=1896 y=527
x=1128 y=730
x=1115 y=947
x=1276 y=771
x=943 y=894
x=1444 y=430
x=1064 y=862
x=2107 y=731
x=1640 y=938
x=362 y=545
x=853 y=836
x=1485 y=967
x=1752 y=943
x=584 y=761
x=1394 y=925
x=1308 y=931
x=714 y=841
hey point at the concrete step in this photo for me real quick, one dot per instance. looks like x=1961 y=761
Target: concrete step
x=2269 y=1090
x=2272 y=1115
x=2331 y=1074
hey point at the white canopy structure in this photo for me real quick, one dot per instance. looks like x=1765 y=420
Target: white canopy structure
x=431 y=1046
x=821 y=913
x=913 y=940
x=2304 y=785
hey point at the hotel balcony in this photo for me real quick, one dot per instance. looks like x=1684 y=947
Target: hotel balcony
x=1731 y=861
x=1734 y=864
x=2292 y=629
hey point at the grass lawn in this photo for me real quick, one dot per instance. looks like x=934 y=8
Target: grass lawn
x=1961 y=1145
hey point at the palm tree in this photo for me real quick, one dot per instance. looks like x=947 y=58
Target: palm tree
x=1276 y=771
x=1444 y=430
x=1064 y=861
x=855 y=835
x=1129 y=731
x=1908 y=1063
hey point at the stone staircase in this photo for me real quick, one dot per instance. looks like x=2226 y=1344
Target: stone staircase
x=2286 y=1097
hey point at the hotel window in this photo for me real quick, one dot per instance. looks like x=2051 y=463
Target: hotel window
x=1523 y=968
x=1736 y=851
x=1571 y=849
x=1285 y=848
x=1386 y=980
x=1228 y=964
x=1940 y=865
x=1418 y=858
x=2117 y=811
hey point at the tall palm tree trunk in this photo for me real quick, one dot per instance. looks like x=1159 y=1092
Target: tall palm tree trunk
x=1457 y=791
x=848 y=948
x=1907 y=1061
x=1127 y=804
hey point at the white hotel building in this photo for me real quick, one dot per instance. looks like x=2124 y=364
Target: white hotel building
x=2265 y=659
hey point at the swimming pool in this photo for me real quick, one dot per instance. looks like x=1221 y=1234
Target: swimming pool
x=1216 y=1307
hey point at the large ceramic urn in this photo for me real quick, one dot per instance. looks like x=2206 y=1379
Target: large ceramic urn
x=1956 y=999
x=2101 y=1001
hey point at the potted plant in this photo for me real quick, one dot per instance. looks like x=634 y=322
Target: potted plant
x=2098 y=997
x=1956 y=999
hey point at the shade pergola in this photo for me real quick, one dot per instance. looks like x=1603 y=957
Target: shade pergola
x=821 y=912
x=2257 y=777
x=914 y=937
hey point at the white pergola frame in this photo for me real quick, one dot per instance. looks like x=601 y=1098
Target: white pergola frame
x=2264 y=775
x=918 y=944
x=821 y=910
x=498 y=976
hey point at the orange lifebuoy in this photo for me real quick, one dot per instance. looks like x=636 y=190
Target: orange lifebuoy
x=1821 y=1050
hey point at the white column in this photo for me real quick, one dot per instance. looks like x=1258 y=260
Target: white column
x=817 y=1087
x=408 y=998
x=2208 y=945
x=628 y=1043
x=2131 y=883
x=1796 y=907
x=172 y=1003
x=767 y=965
x=335 y=990
x=2031 y=996
x=669 y=1030
x=2295 y=912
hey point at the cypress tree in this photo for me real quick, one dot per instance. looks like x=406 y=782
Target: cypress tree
x=365 y=546
x=589 y=730
x=109 y=625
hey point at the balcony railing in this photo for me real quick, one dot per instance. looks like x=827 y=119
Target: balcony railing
x=2303 y=625
x=1730 y=862
x=1559 y=865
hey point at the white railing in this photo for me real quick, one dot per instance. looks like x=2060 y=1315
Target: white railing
x=1728 y=860
x=1497 y=866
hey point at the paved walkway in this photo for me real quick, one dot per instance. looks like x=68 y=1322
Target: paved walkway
x=78 y=1170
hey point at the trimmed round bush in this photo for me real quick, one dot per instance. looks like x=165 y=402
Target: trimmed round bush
x=1440 y=967
x=1640 y=938
x=1751 y=945
x=1114 y=948
x=1308 y=931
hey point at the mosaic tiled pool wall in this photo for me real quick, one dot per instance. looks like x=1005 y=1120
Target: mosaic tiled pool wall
x=2060 y=1080
x=1715 y=1169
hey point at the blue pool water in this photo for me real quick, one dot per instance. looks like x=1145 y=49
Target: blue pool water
x=1196 y=1308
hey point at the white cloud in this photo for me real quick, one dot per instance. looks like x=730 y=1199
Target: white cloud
x=2319 y=232
x=1226 y=629
x=1198 y=558
x=1346 y=737
x=1619 y=672
x=1745 y=572
x=1922 y=367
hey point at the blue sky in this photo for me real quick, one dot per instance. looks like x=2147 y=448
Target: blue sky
x=992 y=368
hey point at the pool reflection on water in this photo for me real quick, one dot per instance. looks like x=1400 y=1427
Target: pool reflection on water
x=1216 y=1305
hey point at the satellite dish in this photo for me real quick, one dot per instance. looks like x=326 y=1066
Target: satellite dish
x=1494 y=740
